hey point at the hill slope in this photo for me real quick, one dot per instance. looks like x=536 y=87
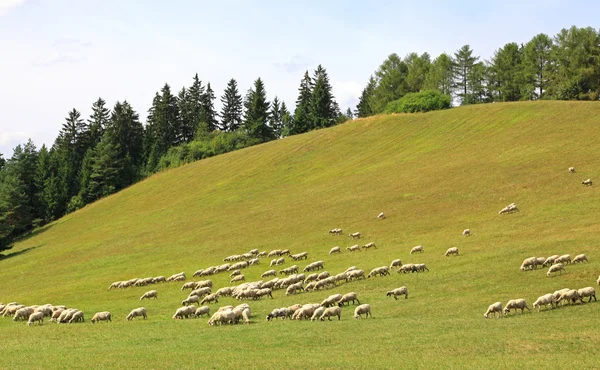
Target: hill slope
x=433 y=175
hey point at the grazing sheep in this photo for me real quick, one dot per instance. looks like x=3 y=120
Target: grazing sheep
x=317 y=313
x=274 y=252
x=558 y=293
x=56 y=314
x=398 y=291
x=254 y=261
x=101 y=316
x=114 y=285
x=494 y=308
x=284 y=252
x=331 y=311
x=323 y=275
x=292 y=289
x=224 y=292
x=268 y=273
x=235 y=273
x=381 y=271
x=529 y=264
x=369 y=245
x=355 y=235
x=184 y=312
x=558 y=267
x=264 y=292
x=380 y=216
x=509 y=209
x=363 y=309
x=550 y=260
x=353 y=248
x=331 y=300
x=214 y=297
x=565 y=259
x=516 y=304
x=580 y=258
x=571 y=169
x=201 y=292
x=351 y=268
x=238 y=278
x=141 y=311
x=299 y=256
x=347 y=298
x=190 y=300
x=545 y=300
x=420 y=267
x=570 y=296
x=305 y=312
x=405 y=269
x=466 y=232
x=336 y=231
x=451 y=251
x=587 y=292
x=150 y=294
x=22 y=313
x=46 y=310
x=356 y=274
x=540 y=261
x=335 y=249
x=418 y=248
x=36 y=316
x=587 y=182
x=77 y=317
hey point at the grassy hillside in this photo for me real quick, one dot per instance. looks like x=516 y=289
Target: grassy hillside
x=433 y=175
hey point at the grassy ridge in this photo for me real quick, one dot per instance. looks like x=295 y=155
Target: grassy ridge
x=433 y=175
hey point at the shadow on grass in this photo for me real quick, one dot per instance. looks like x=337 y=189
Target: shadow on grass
x=34 y=232
x=14 y=254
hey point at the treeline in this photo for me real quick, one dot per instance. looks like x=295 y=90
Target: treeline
x=563 y=67
x=111 y=149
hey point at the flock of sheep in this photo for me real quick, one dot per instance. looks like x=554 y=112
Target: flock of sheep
x=294 y=283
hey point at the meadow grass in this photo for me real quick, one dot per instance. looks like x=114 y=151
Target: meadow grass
x=433 y=175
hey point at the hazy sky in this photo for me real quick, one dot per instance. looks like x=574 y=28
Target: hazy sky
x=56 y=55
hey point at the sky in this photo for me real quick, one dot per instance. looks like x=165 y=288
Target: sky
x=56 y=55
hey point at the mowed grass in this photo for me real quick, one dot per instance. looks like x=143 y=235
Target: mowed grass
x=433 y=175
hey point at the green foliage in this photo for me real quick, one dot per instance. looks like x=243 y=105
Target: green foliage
x=322 y=112
x=440 y=76
x=424 y=101
x=302 y=112
x=365 y=101
x=391 y=83
x=232 y=107
x=256 y=115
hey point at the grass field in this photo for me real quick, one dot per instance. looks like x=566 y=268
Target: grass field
x=433 y=175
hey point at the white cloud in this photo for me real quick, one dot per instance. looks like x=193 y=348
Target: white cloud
x=7 y=5
x=347 y=93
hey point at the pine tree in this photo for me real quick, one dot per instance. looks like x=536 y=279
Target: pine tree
x=163 y=121
x=363 y=108
x=97 y=122
x=2 y=161
x=287 y=120
x=464 y=62
x=195 y=94
x=209 y=115
x=15 y=213
x=257 y=113
x=186 y=123
x=125 y=134
x=105 y=176
x=349 y=113
x=232 y=108
x=275 y=118
x=322 y=107
x=24 y=164
x=302 y=112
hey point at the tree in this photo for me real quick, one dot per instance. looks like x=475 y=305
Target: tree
x=391 y=83
x=186 y=123
x=478 y=89
x=287 y=120
x=24 y=163
x=322 y=109
x=209 y=115
x=105 y=169
x=97 y=122
x=275 y=118
x=2 y=161
x=302 y=112
x=125 y=135
x=506 y=70
x=195 y=96
x=232 y=108
x=349 y=113
x=257 y=113
x=537 y=59
x=364 y=106
x=15 y=213
x=463 y=66
x=163 y=121
x=418 y=68
x=441 y=75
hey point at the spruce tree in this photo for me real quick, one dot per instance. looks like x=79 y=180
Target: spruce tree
x=363 y=108
x=257 y=113
x=97 y=122
x=163 y=121
x=275 y=118
x=105 y=176
x=186 y=124
x=287 y=120
x=322 y=107
x=209 y=115
x=125 y=134
x=302 y=111
x=195 y=94
x=232 y=107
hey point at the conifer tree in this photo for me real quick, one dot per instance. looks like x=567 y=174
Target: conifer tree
x=275 y=118
x=257 y=113
x=322 y=107
x=232 y=107
x=302 y=111
x=209 y=115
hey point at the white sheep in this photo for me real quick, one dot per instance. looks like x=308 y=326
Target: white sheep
x=545 y=300
x=184 y=312
x=235 y=273
x=580 y=258
x=557 y=267
x=550 y=260
x=355 y=235
x=190 y=300
x=101 y=316
x=331 y=311
x=335 y=249
x=77 y=317
x=369 y=245
x=269 y=273
x=354 y=248
x=347 y=298
x=114 y=285
x=356 y=274
x=466 y=232
x=396 y=263
x=150 y=294
x=23 y=313
x=380 y=216
x=238 y=278
x=141 y=311
x=571 y=169
x=363 y=309
x=565 y=259
x=398 y=291
x=587 y=182
x=200 y=292
x=36 y=316
x=317 y=313
x=571 y=295
x=418 y=248
x=214 y=297
x=331 y=300
x=494 y=308
x=587 y=292
x=516 y=304
x=451 y=251
x=529 y=264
